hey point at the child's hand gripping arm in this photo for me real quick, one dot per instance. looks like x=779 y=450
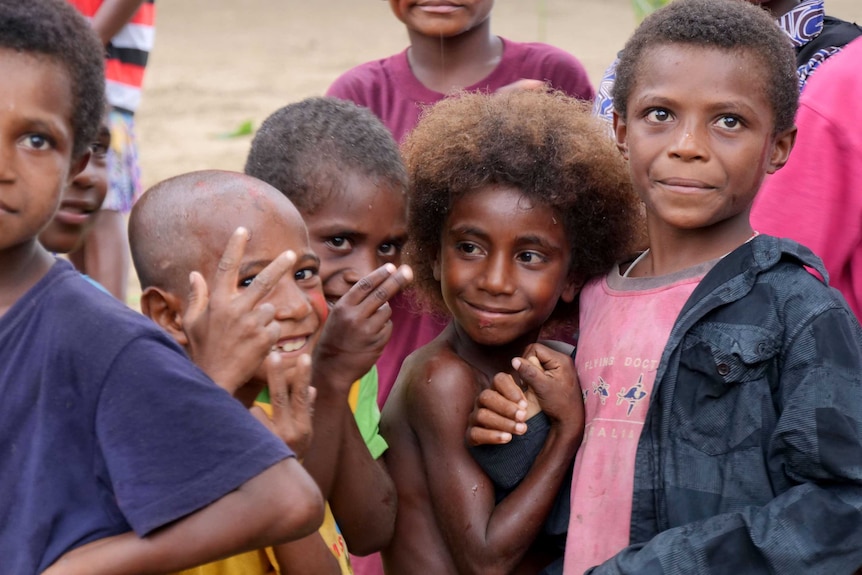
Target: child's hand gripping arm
x=229 y=331
x=484 y=537
x=502 y=411
x=358 y=487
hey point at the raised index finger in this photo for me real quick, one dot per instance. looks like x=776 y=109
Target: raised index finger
x=227 y=272
x=269 y=276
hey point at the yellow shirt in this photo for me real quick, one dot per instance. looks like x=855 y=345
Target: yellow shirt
x=262 y=562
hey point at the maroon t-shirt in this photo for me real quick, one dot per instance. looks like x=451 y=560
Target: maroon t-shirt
x=389 y=89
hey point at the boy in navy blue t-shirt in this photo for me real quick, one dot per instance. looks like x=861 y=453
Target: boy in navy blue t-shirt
x=94 y=430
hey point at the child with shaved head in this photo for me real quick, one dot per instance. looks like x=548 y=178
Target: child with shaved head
x=175 y=241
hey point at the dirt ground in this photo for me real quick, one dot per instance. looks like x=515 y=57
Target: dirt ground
x=218 y=64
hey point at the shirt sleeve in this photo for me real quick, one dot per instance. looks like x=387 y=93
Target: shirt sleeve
x=174 y=442
x=363 y=403
x=817 y=443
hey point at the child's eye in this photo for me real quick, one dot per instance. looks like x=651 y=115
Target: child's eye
x=389 y=250
x=245 y=282
x=304 y=274
x=531 y=257
x=729 y=122
x=467 y=247
x=37 y=142
x=339 y=243
x=98 y=149
x=658 y=115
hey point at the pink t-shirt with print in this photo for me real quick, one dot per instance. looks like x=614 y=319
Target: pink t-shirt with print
x=624 y=326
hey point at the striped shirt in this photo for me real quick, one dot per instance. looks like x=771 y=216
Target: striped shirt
x=127 y=53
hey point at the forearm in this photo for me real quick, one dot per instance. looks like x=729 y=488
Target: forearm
x=112 y=16
x=307 y=555
x=518 y=519
x=280 y=504
x=363 y=496
x=330 y=410
x=497 y=540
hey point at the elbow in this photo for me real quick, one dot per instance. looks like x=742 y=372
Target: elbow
x=298 y=506
x=375 y=531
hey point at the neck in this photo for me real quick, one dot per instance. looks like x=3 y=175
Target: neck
x=488 y=359
x=21 y=267
x=681 y=249
x=442 y=64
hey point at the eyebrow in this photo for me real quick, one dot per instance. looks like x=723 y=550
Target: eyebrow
x=657 y=100
x=519 y=241
x=54 y=128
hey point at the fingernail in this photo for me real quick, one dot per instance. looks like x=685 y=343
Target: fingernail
x=521 y=414
x=516 y=363
x=505 y=437
x=521 y=427
x=390 y=267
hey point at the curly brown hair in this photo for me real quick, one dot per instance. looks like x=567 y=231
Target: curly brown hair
x=545 y=144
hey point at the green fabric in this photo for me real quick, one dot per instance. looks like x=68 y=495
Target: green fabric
x=645 y=7
x=367 y=414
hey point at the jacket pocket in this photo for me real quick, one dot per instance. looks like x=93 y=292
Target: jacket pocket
x=722 y=393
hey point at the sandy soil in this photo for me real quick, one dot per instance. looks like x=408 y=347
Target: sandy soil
x=220 y=63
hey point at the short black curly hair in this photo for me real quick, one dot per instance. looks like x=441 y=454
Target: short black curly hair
x=732 y=25
x=303 y=148
x=546 y=145
x=54 y=28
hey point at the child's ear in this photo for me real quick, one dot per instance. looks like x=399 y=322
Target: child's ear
x=620 y=135
x=165 y=309
x=782 y=144
x=571 y=289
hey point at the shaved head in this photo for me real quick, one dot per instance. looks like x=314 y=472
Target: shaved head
x=183 y=224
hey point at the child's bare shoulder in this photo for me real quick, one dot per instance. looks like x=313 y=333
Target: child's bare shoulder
x=435 y=376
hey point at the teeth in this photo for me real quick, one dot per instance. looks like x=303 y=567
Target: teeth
x=292 y=344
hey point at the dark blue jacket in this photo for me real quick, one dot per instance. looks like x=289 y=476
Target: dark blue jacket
x=750 y=460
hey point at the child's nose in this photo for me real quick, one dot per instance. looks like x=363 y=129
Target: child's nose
x=360 y=265
x=496 y=278
x=291 y=302
x=689 y=142
x=86 y=179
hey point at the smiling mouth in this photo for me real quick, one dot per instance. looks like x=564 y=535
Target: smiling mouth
x=290 y=345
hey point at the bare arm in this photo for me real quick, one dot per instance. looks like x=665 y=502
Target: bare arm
x=306 y=555
x=363 y=499
x=280 y=504
x=482 y=537
x=360 y=492
x=112 y=16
